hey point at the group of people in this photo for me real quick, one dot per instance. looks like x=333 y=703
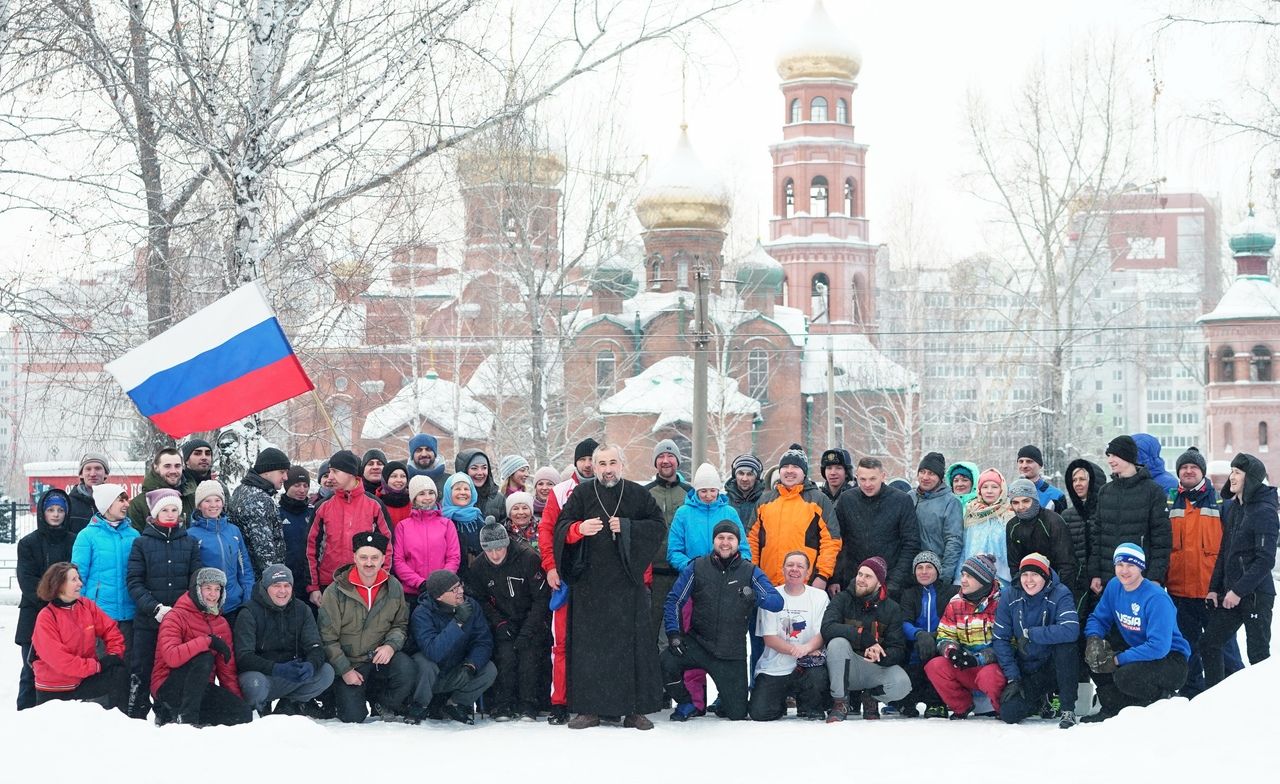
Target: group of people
x=397 y=589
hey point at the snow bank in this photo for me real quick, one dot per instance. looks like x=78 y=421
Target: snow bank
x=1227 y=730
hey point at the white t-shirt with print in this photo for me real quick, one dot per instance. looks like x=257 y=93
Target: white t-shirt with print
x=797 y=622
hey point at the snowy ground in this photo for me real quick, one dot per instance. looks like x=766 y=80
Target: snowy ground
x=1228 y=730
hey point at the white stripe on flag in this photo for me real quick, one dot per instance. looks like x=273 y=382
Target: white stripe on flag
x=207 y=328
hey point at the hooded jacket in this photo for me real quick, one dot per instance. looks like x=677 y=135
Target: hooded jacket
x=184 y=634
x=446 y=643
x=222 y=546
x=101 y=551
x=487 y=494
x=1046 y=534
x=267 y=635
x=336 y=522
x=1080 y=517
x=795 y=518
x=1248 y=551
x=691 y=529
x=66 y=637
x=885 y=525
x=1132 y=509
x=82 y=508
x=941 y=520
x=1149 y=457
x=295 y=520
x=972 y=468
x=424 y=542
x=37 y=551
x=162 y=562
x=355 y=619
x=513 y=594
x=1027 y=625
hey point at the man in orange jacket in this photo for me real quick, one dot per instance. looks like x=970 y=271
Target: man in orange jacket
x=794 y=515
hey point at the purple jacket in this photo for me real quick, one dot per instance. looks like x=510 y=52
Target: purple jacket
x=424 y=542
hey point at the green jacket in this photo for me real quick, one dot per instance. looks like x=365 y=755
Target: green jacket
x=138 y=509
x=350 y=630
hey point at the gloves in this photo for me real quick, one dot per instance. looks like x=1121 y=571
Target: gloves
x=1020 y=644
x=505 y=631
x=1011 y=691
x=960 y=658
x=462 y=613
x=1097 y=651
x=285 y=670
x=676 y=643
x=161 y=612
x=926 y=646
x=305 y=669
x=110 y=662
x=219 y=646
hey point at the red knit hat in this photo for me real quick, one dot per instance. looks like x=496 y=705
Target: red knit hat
x=1035 y=562
x=877 y=566
x=990 y=475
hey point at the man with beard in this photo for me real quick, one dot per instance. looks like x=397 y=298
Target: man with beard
x=197 y=467
x=605 y=539
x=94 y=470
x=165 y=473
x=866 y=646
x=424 y=450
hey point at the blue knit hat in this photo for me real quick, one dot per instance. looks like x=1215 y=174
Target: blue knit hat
x=1130 y=553
x=981 y=567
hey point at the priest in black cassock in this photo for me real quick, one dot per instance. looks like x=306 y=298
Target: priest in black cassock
x=605 y=539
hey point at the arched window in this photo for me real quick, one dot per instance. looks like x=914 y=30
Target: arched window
x=758 y=374
x=818 y=197
x=1260 y=364
x=880 y=434
x=842 y=112
x=606 y=364
x=795 y=110
x=1262 y=437
x=819 y=291
x=818 y=109
x=1227 y=438
x=788 y=198
x=1226 y=364
x=682 y=270
x=655 y=271
x=850 y=197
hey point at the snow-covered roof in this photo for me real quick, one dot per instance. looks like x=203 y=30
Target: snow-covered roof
x=1249 y=297
x=725 y=310
x=665 y=388
x=509 y=373
x=858 y=365
x=443 y=402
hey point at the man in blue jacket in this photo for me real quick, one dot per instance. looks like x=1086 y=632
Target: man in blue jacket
x=1136 y=616
x=1035 y=640
x=726 y=590
x=1031 y=466
x=455 y=648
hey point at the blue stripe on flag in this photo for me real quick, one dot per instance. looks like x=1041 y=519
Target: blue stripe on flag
x=256 y=347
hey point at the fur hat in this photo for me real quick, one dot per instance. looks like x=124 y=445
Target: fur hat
x=706 y=478
x=207 y=575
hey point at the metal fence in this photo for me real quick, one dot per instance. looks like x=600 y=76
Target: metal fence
x=16 y=521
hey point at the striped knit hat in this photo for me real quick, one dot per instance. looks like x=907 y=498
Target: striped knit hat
x=1035 y=562
x=981 y=567
x=1132 y=554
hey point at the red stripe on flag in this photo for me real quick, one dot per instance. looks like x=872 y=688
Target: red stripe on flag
x=236 y=399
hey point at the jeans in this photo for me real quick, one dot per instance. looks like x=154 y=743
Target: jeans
x=259 y=689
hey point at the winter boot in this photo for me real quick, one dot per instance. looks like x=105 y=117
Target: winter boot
x=683 y=712
x=637 y=721
x=458 y=713
x=584 y=721
x=839 y=710
x=961 y=716
x=908 y=710
x=1067 y=721
x=558 y=715
x=870 y=707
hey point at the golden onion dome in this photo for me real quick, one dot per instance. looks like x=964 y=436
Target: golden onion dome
x=818 y=50
x=682 y=193
x=508 y=166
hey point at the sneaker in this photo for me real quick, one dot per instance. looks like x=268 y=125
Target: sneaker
x=683 y=712
x=529 y=714
x=935 y=711
x=1050 y=707
x=320 y=711
x=961 y=716
x=458 y=713
x=502 y=713
x=889 y=709
x=584 y=721
x=839 y=711
x=907 y=711
x=870 y=707
x=558 y=715
x=1067 y=721
x=637 y=721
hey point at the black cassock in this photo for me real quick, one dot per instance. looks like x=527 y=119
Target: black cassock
x=613 y=659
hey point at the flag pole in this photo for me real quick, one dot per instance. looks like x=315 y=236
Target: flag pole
x=325 y=412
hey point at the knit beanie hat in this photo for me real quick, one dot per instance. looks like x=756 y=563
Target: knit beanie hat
x=585 y=448
x=297 y=476
x=1125 y=448
x=929 y=557
x=548 y=473
x=372 y=539
x=493 y=536
x=1032 y=451
x=271 y=459
x=1023 y=488
x=749 y=462
x=725 y=527
x=1035 y=562
x=393 y=466
x=508 y=466
x=192 y=445
x=795 y=456
x=706 y=478
x=208 y=488
x=373 y=454
x=439 y=582
x=520 y=497
x=935 y=462
x=345 y=460
x=1132 y=554
x=1192 y=455
x=667 y=447
x=421 y=440
x=94 y=457
x=878 y=567
x=418 y=484
x=53 y=500
x=981 y=567
x=164 y=497
x=990 y=475
x=900 y=485
x=105 y=494
x=277 y=573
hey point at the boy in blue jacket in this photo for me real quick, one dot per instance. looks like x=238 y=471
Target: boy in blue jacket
x=1137 y=616
x=1035 y=640
x=455 y=649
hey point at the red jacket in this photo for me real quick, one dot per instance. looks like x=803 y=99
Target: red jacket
x=65 y=641
x=184 y=634
x=550 y=513
x=336 y=522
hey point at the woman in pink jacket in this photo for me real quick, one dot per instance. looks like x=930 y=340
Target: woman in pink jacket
x=425 y=541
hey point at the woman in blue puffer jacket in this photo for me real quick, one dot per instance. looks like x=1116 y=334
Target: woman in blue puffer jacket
x=706 y=504
x=222 y=546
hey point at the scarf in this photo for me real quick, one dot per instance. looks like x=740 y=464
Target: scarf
x=468 y=517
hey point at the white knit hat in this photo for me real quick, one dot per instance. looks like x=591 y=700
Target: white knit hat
x=419 y=483
x=706 y=478
x=208 y=488
x=105 y=494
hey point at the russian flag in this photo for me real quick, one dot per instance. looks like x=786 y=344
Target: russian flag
x=218 y=365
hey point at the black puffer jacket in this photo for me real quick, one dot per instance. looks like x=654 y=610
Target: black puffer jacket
x=1132 y=509
x=885 y=525
x=82 y=509
x=1248 y=551
x=161 y=565
x=37 y=551
x=513 y=594
x=266 y=635
x=1080 y=517
x=867 y=621
x=1046 y=534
